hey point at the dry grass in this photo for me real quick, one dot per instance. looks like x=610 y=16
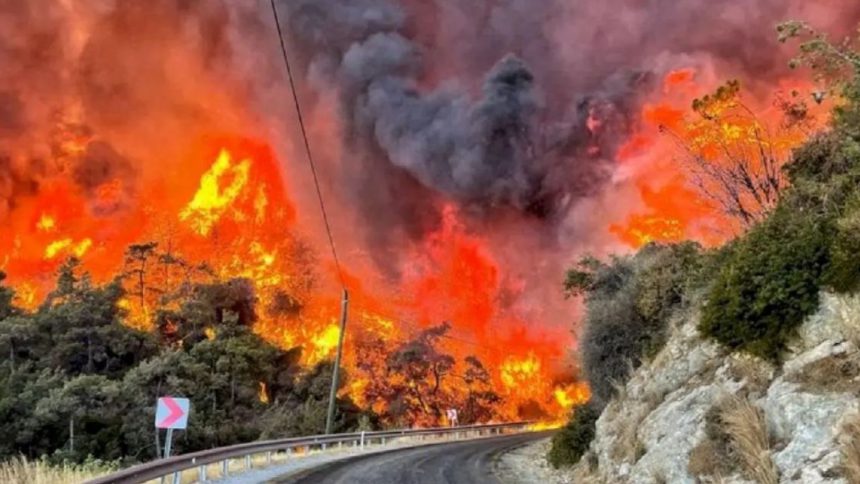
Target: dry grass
x=850 y=448
x=714 y=456
x=757 y=373
x=837 y=373
x=23 y=471
x=713 y=480
x=628 y=417
x=588 y=470
x=705 y=459
x=746 y=426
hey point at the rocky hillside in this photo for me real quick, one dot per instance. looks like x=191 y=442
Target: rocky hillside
x=697 y=413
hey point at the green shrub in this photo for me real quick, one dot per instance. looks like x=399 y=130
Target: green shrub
x=572 y=441
x=628 y=303
x=663 y=275
x=770 y=284
x=823 y=157
x=613 y=343
x=843 y=274
x=847 y=115
x=710 y=262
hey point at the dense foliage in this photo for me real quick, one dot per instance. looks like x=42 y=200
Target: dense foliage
x=75 y=381
x=417 y=381
x=78 y=380
x=758 y=288
x=628 y=304
x=770 y=284
x=771 y=281
x=572 y=441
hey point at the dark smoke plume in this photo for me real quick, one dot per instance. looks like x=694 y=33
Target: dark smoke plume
x=502 y=147
x=543 y=130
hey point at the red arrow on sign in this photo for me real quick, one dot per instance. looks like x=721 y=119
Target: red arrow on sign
x=176 y=412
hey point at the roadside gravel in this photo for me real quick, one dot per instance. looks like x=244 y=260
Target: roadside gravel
x=528 y=465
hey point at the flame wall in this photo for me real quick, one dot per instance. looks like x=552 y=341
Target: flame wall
x=468 y=152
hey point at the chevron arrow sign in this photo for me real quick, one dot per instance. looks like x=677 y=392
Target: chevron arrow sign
x=172 y=413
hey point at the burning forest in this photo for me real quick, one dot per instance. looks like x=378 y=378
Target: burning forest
x=467 y=153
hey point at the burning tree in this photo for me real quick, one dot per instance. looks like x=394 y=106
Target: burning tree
x=417 y=370
x=208 y=310
x=735 y=158
x=480 y=398
x=417 y=382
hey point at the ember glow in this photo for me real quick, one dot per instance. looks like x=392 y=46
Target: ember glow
x=159 y=138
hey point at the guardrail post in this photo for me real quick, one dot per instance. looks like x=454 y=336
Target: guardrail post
x=225 y=468
x=247 y=462
x=269 y=458
x=176 y=479
x=201 y=473
x=362 y=439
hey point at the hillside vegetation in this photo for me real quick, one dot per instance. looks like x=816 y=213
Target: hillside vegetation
x=78 y=382
x=748 y=299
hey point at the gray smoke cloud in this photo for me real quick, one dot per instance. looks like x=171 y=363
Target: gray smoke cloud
x=562 y=83
x=499 y=105
x=501 y=147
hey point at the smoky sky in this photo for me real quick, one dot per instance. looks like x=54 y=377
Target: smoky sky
x=81 y=83
x=495 y=141
x=514 y=104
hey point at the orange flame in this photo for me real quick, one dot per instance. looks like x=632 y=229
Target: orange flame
x=672 y=209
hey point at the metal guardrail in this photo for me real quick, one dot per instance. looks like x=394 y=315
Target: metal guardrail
x=173 y=466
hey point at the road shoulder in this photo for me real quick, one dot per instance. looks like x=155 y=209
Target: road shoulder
x=527 y=464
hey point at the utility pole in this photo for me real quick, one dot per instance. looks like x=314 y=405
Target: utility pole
x=332 y=396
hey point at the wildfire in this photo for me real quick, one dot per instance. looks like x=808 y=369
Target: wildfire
x=235 y=217
x=325 y=342
x=46 y=223
x=720 y=130
x=572 y=395
x=520 y=371
x=141 y=140
x=67 y=247
x=263 y=394
x=26 y=296
x=212 y=199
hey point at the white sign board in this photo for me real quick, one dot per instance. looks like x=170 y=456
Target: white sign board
x=172 y=413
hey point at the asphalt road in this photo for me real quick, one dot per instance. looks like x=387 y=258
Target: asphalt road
x=456 y=463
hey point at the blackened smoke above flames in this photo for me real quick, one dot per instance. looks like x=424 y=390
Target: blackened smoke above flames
x=501 y=147
x=562 y=84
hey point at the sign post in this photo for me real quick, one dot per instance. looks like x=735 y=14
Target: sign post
x=171 y=413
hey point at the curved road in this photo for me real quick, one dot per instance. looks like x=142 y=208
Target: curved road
x=459 y=462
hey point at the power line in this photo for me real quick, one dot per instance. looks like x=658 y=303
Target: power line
x=332 y=397
x=307 y=144
x=316 y=178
